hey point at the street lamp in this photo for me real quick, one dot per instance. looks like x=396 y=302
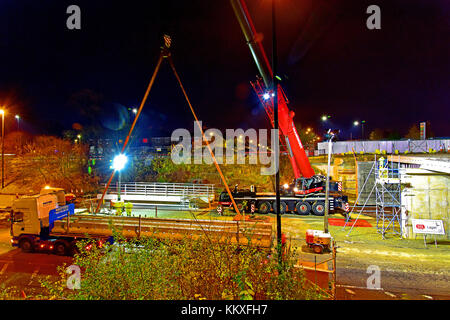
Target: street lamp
x=2 y=112
x=18 y=120
x=329 y=136
x=134 y=110
x=357 y=123
x=325 y=117
x=362 y=129
x=275 y=80
x=118 y=164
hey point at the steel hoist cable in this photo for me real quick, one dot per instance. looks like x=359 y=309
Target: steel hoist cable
x=165 y=53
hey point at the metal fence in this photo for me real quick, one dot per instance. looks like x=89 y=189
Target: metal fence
x=413 y=146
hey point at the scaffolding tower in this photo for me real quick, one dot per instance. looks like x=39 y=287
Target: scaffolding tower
x=388 y=202
x=388 y=197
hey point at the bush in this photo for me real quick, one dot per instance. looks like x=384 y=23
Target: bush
x=183 y=270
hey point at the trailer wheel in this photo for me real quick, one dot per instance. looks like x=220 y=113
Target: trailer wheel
x=283 y=207
x=26 y=245
x=303 y=208
x=264 y=207
x=60 y=248
x=318 y=208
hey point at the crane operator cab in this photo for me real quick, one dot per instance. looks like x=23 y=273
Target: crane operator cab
x=316 y=183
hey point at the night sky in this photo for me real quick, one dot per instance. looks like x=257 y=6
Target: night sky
x=329 y=61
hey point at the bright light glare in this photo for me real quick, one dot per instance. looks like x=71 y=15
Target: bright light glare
x=134 y=110
x=324 y=118
x=119 y=162
x=266 y=96
x=2 y=111
x=355 y=123
x=17 y=116
x=286 y=186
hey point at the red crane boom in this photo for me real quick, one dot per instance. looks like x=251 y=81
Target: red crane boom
x=297 y=155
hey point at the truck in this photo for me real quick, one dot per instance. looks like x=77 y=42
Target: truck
x=291 y=201
x=43 y=223
x=306 y=193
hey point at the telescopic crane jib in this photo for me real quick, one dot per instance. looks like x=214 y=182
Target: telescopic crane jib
x=307 y=193
x=297 y=155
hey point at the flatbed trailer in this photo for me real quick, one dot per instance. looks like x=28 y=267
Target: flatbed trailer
x=38 y=224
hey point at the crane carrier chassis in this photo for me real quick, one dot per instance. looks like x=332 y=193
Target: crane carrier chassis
x=252 y=202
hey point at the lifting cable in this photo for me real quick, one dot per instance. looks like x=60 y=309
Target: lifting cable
x=166 y=54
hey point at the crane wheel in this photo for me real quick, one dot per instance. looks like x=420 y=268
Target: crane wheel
x=303 y=208
x=318 y=208
x=283 y=207
x=264 y=207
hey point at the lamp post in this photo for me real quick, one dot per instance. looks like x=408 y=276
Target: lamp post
x=118 y=164
x=357 y=123
x=330 y=135
x=18 y=121
x=276 y=127
x=362 y=129
x=2 y=112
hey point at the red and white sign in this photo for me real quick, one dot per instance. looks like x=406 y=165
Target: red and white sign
x=426 y=226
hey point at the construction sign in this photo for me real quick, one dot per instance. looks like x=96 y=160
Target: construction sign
x=426 y=226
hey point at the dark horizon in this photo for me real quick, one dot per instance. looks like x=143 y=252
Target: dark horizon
x=329 y=61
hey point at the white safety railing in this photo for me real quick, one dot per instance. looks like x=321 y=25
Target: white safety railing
x=163 y=189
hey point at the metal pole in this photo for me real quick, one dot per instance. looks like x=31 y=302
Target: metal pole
x=275 y=112
x=327 y=189
x=3 y=150
x=118 y=191
x=334 y=270
x=362 y=130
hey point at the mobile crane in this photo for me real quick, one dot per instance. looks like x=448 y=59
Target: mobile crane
x=307 y=192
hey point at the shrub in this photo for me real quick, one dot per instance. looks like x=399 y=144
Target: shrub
x=187 y=269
